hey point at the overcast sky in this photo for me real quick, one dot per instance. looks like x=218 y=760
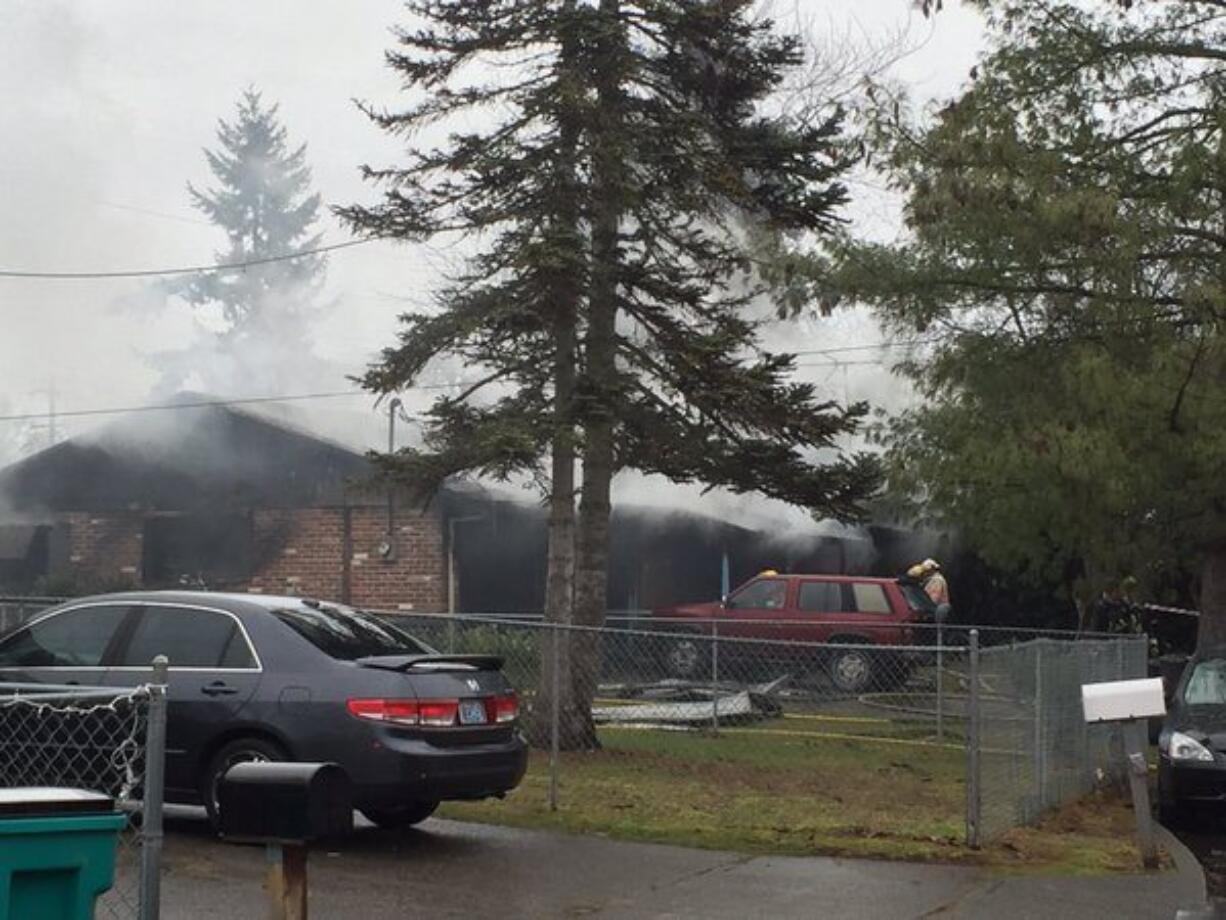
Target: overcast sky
x=106 y=107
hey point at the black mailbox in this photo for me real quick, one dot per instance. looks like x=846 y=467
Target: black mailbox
x=291 y=803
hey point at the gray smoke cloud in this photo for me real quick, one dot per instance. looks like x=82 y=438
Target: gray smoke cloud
x=109 y=108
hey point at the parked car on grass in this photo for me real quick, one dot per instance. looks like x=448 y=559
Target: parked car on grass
x=795 y=611
x=1192 y=744
x=259 y=678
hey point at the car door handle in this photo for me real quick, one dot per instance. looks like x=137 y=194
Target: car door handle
x=217 y=688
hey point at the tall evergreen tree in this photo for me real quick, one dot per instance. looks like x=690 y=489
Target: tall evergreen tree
x=254 y=329
x=263 y=201
x=612 y=192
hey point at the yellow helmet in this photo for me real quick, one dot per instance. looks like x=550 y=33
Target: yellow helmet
x=767 y=573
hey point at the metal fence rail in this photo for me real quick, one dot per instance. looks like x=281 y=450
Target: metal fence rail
x=111 y=740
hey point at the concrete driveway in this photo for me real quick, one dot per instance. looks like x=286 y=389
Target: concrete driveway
x=449 y=869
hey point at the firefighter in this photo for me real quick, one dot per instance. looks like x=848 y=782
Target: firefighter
x=935 y=584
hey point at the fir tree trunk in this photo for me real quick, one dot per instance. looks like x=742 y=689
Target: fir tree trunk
x=560 y=573
x=1212 y=628
x=600 y=353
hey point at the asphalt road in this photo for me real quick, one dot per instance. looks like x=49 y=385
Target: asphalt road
x=1206 y=838
x=449 y=869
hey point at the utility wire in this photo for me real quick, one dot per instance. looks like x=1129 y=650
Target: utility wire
x=300 y=397
x=207 y=403
x=189 y=269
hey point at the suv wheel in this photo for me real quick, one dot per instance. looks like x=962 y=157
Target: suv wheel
x=241 y=750
x=851 y=670
x=401 y=815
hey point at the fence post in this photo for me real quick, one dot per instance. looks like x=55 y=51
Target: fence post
x=151 y=804
x=974 y=793
x=1040 y=761
x=554 y=718
x=714 y=676
x=940 y=681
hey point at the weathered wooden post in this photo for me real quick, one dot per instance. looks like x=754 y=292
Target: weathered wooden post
x=1129 y=703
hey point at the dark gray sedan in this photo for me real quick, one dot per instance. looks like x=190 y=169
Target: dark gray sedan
x=254 y=677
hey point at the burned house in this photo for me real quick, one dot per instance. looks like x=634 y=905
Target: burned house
x=217 y=497
x=214 y=496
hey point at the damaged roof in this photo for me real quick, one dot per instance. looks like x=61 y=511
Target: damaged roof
x=191 y=457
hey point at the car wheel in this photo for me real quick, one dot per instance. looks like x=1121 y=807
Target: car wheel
x=242 y=750
x=401 y=815
x=851 y=670
x=685 y=658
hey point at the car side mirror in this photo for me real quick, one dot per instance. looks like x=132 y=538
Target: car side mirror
x=941 y=614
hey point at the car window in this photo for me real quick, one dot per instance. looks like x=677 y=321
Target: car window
x=763 y=594
x=347 y=634
x=870 y=598
x=1207 y=684
x=76 y=638
x=820 y=596
x=189 y=638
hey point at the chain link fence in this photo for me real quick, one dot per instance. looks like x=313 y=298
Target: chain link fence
x=1032 y=747
x=109 y=740
x=1000 y=706
x=1004 y=704
x=17 y=610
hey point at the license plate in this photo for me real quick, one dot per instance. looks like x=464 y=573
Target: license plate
x=472 y=712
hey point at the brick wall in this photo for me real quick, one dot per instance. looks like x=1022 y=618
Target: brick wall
x=307 y=551
x=414 y=577
x=298 y=551
x=108 y=548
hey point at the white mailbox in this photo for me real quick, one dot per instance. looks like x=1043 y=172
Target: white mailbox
x=1122 y=700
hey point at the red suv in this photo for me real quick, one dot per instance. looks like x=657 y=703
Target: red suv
x=832 y=609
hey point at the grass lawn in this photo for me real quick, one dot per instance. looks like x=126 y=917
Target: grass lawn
x=791 y=790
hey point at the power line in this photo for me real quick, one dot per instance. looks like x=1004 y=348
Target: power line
x=865 y=347
x=186 y=270
x=209 y=403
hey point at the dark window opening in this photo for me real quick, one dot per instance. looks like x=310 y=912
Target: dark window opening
x=213 y=551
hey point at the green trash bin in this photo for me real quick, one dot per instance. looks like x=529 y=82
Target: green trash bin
x=57 y=852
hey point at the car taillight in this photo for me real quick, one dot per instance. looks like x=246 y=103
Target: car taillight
x=398 y=712
x=438 y=712
x=506 y=708
x=431 y=713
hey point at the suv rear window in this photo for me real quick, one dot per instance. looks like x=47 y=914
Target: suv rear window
x=917 y=598
x=347 y=634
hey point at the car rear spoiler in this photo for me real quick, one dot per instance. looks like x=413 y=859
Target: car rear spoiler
x=432 y=662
